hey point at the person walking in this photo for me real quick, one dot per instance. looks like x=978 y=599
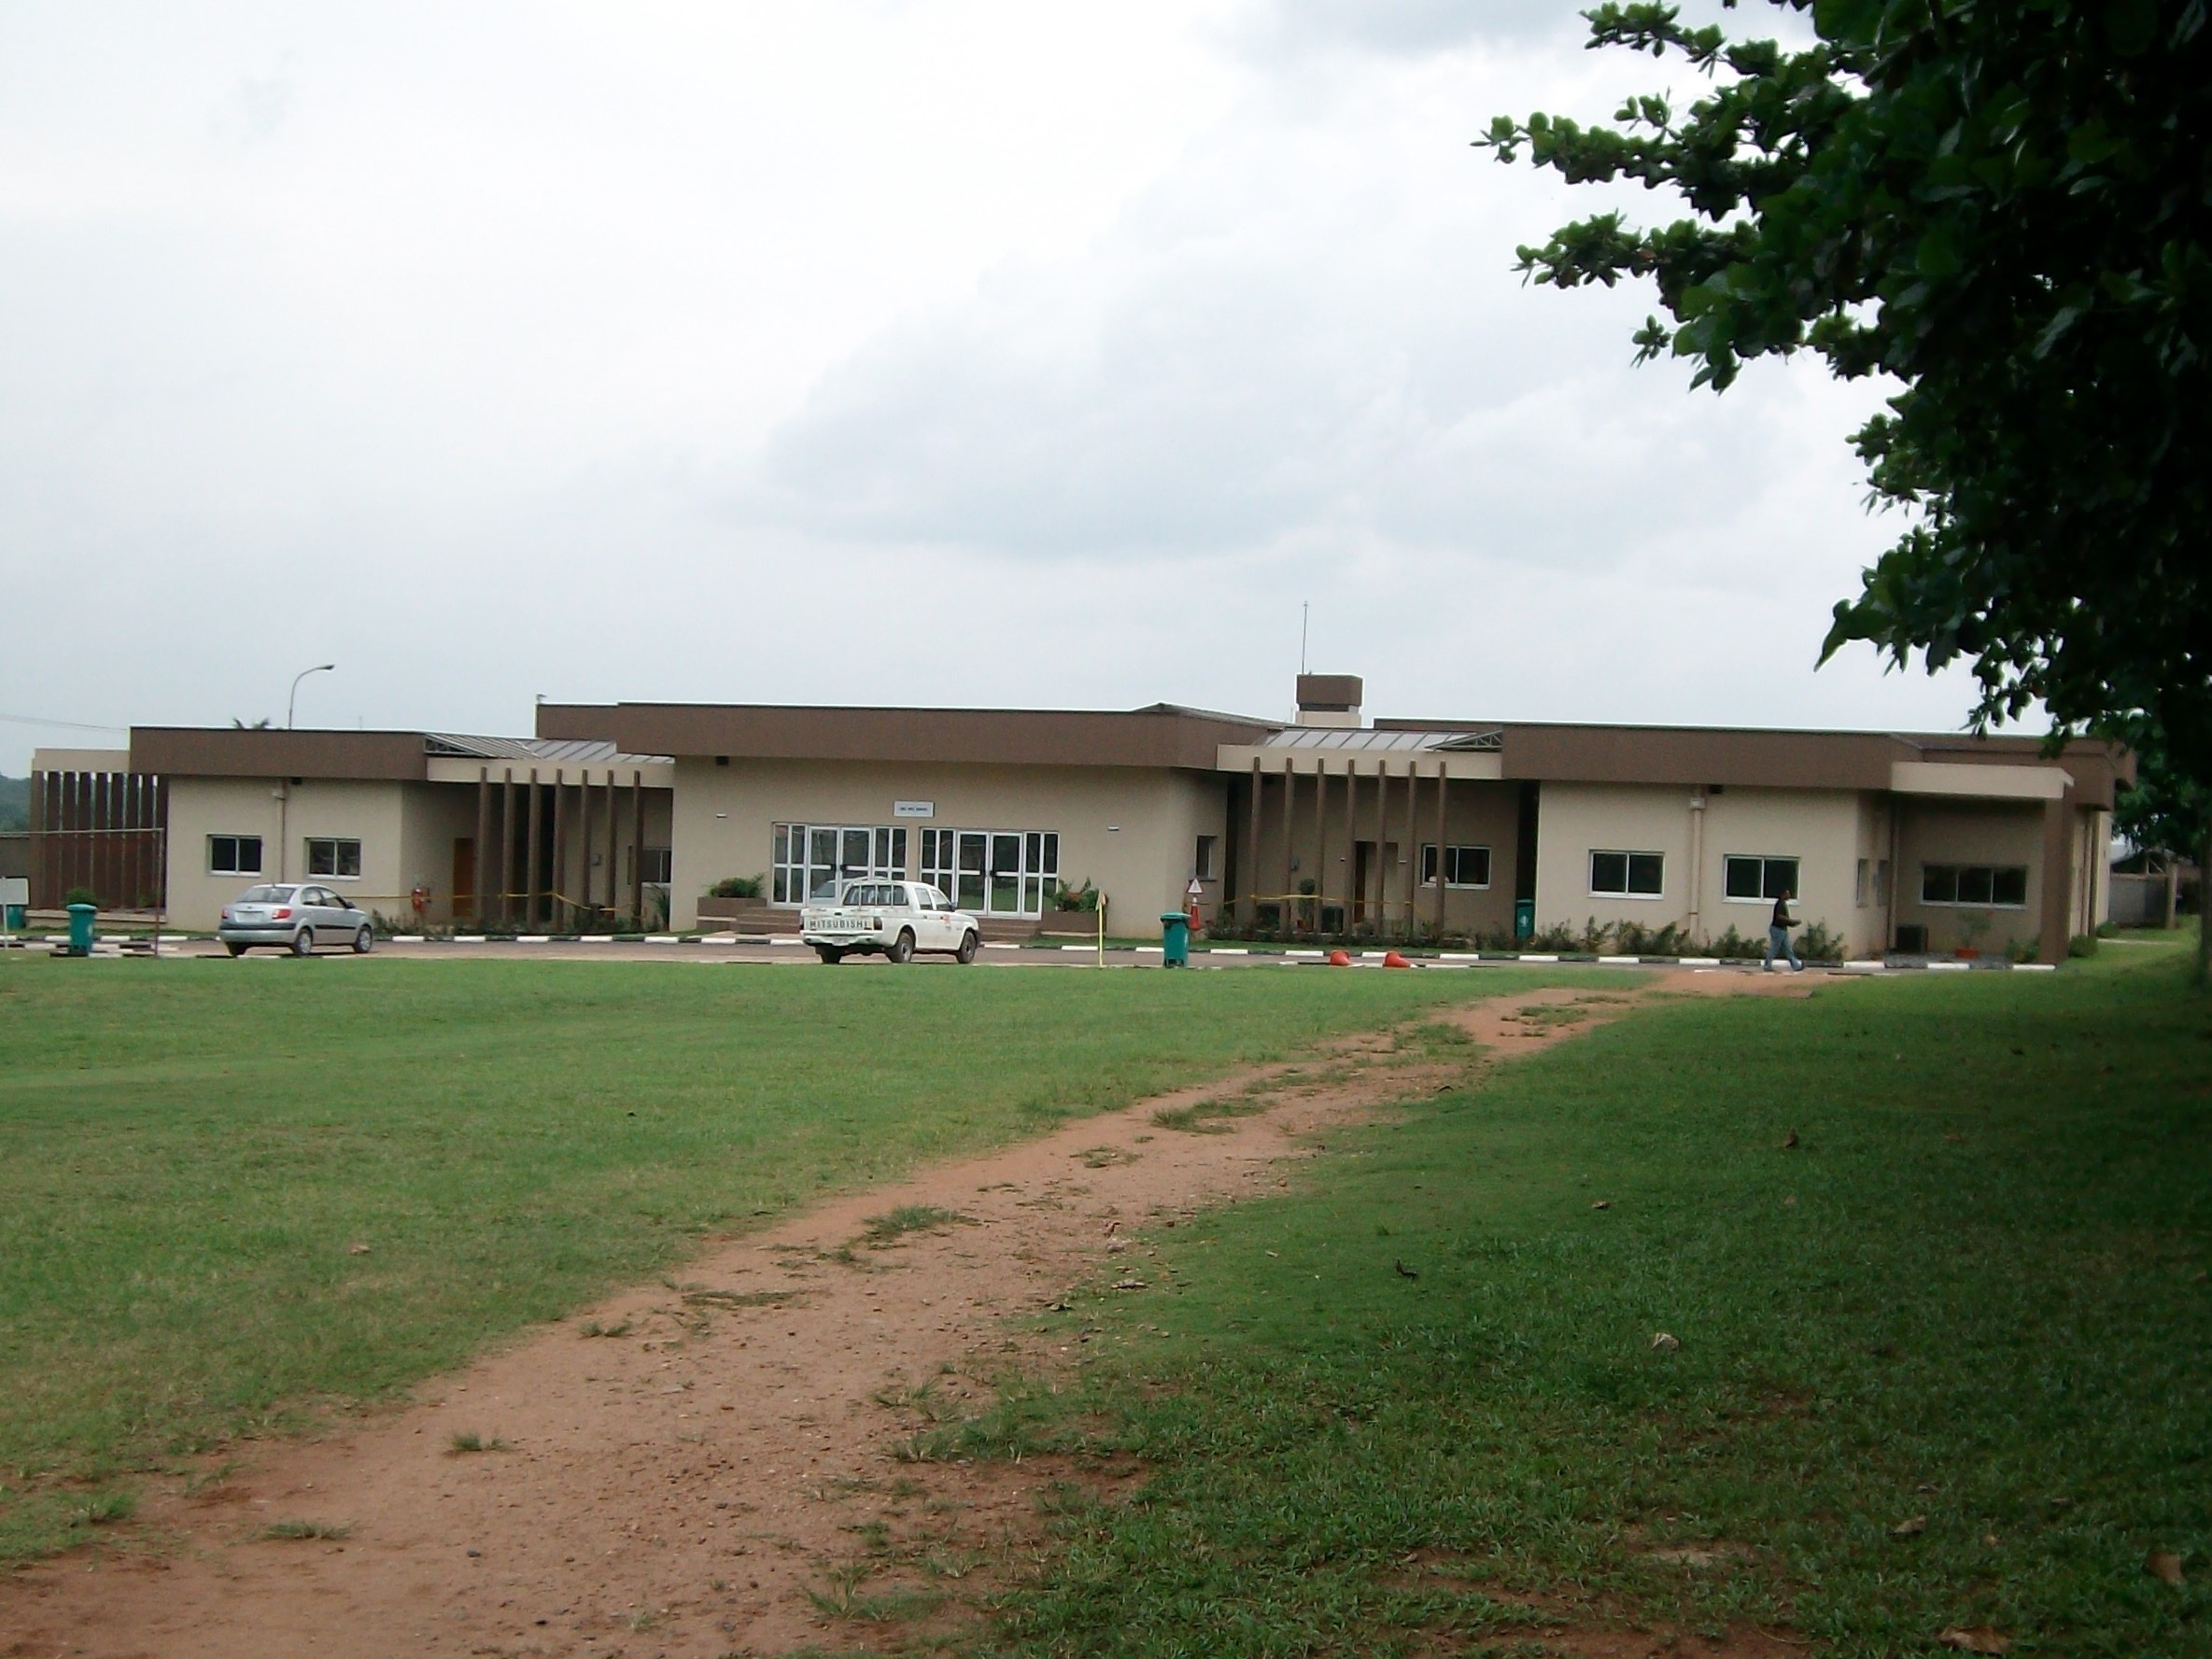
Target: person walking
x=1778 y=935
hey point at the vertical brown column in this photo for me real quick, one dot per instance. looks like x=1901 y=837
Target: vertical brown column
x=1381 y=899
x=507 y=848
x=39 y=877
x=1321 y=847
x=638 y=850
x=1251 y=893
x=482 y=862
x=533 y=850
x=555 y=903
x=1443 y=789
x=614 y=847
x=1413 y=846
x=584 y=858
x=161 y=840
x=2057 y=880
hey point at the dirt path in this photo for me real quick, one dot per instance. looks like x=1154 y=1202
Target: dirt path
x=716 y=1474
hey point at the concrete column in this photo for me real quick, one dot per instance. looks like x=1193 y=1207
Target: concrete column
x=583 y=859
x=638 y=849
x=2058 y=879
x=1321 y=843
x=560 y=884
x=613 y=846
x=507 y=848
x=1443 y=796
x=482 y=862
x=1251 y=893
x=1412 y=847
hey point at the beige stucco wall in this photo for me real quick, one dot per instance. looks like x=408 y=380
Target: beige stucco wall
x=371 y=813
x=1969 y=832
x=1132 y=832
x=1822 y=829
x=432 y=816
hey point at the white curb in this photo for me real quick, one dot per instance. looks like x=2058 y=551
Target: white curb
x=1527 y=957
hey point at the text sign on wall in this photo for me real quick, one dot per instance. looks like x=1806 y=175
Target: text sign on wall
x=913 y=809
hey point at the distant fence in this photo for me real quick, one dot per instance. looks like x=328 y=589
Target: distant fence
x=2140 y=901
x=103 y=832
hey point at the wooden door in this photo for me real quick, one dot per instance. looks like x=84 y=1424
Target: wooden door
x=464 y=876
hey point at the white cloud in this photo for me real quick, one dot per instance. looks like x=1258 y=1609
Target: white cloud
x=597 y=353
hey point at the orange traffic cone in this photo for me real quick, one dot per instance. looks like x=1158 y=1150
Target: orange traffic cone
x=1340 y=959
x=1392 y=960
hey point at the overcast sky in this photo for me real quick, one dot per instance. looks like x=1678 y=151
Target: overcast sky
x=987 y=353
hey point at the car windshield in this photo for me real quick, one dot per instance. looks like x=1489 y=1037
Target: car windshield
x=264 y=895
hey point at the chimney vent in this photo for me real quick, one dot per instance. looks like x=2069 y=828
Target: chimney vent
x=1329 y=699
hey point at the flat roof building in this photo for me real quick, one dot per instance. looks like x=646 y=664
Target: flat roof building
x=1323 y=824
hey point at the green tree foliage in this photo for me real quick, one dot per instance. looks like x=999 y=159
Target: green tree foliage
x=2002 y=205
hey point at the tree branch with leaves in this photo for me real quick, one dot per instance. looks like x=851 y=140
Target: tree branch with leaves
x=2007 y=210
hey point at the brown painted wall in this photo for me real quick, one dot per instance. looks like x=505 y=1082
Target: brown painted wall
x=1004 y=736
x=197 y=751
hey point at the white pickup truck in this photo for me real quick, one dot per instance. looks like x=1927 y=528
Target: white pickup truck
x=892 y=919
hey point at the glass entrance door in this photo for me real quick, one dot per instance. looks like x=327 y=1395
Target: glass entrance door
x=974 y=848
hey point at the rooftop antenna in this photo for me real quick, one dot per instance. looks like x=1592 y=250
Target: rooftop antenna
x=1306 y=611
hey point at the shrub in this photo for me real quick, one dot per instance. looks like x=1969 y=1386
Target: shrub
x=2082 y=945
x=737 y=887
x=81 y=895
x=1083 y=898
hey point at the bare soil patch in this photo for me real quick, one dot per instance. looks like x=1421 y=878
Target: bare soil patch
x=723 y=1463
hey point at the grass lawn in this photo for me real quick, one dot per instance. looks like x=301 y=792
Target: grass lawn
x=1944 y=1364
x=190 y=1151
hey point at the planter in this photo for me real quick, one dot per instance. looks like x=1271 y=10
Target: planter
x=1967 y=953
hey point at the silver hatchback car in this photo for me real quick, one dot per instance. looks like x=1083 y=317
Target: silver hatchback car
x=298 y=916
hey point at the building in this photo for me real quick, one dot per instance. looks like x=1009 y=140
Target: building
x=1326 y=822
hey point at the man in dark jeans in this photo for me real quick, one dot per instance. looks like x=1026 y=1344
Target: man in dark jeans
x=1778 y=935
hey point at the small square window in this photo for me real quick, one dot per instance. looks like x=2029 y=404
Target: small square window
x=233 y=855
x=1201 y=861
x=334 y=857
x=1628 y=875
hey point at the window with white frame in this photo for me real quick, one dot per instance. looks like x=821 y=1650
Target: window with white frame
x=1750 y=878
x=806 y=857
x=660 y=865
x=1628 y=875
x=1863 y=883
x=993 y=872
x=335 y=858
x=1463 y=866
x=1994 y=887
x=233 y=855
x=1202 y=858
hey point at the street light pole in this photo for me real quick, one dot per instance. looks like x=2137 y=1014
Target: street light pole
x=292 y=697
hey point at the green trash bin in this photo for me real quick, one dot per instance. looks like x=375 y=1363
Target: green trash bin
x=1524 y=919
x=15 y=919
x=80 y=929
x=1175 y=939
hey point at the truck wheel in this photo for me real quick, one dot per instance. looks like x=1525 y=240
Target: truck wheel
x=902 y=948
x=304 y=942
x=830 y=954
x=968 y=947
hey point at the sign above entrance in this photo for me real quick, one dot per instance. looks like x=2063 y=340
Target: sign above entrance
x=913 y=809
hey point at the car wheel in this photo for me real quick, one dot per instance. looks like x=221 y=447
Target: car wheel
x=902 y=948
x=304 y=942
x=969 y=945
x=236 y=949
x=831 y=955
x=364 y=941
